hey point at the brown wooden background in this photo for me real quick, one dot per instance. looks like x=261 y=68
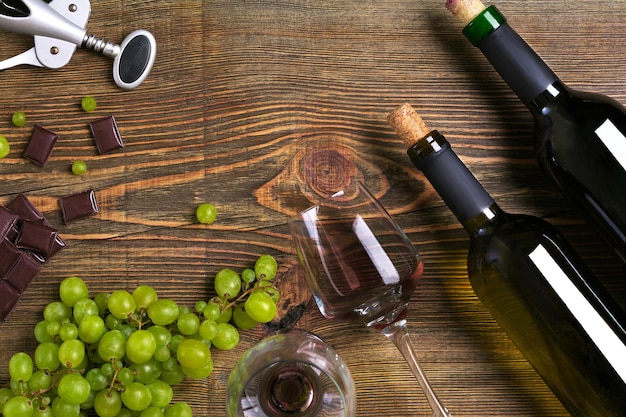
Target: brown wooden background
x=240 y=92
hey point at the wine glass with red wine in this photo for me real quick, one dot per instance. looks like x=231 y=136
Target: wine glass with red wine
x=361 y=268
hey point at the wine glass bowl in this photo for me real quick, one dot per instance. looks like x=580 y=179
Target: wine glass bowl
x=361 y=268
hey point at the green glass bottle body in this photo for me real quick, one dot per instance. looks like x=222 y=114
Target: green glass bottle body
x=580 y=137
x=537 y=288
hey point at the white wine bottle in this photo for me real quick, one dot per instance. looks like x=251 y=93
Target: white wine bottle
x=580 y=137
x=533 y=283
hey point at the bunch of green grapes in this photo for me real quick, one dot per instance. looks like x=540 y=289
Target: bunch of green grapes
x=120 y=353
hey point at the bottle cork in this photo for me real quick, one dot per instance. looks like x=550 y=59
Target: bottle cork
x=465 y=10
x=408 y=125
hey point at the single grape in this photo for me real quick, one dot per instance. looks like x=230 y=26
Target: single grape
x=162 y=353
x=73 y=388
x=39 y=381
x=53 y=329
x=225 y=315
x=125 y=375
x=79 y=167
x=140 y=346
x=83 y=308
x=88 y=103
x=227 y=337
x=176 y=341
x=193 y=354
x=121 y=304
x=188 y=323
x=173 y=376
x=199 y=373
x=73 y=289
x=261 y=307
x=71 y=353
x=181 y=409
x=112 y=345
x=91 y=328
x=152 y=411
x=47 y=356
x=97 y=380
x=57 y=311
x=162 y=393
x=43 y=411
x=162 y=335
x=199 y=306
x=107 y=403
x=5 y=148
x=206 y=213
x=163 y=312
x=242 y=319
x=147 y=371
x=107 y=369
x=211 y=311
x=136 y=396
x=41 y=332
x=18 y=406
x=144 y=295
x=208 y=329
x=60 y=407
x=21 y=367
x=227 y=283
x=68 y=331
x=265 y=267
x=102 y=299
x=248 y=275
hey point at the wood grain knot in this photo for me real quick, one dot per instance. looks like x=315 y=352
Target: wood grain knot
x=328 y=170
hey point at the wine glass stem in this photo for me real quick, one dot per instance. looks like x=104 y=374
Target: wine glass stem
x=398 y=333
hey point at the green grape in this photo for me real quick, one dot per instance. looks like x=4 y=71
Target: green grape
x=176 y=341
x=161 y=335
x=211 y=311
x=43 y=411
x=193 y=354
x=112 y=322
x=173 y=376
x=89 y=402
x=265 y=267
x=248 y=275
x=152 y=411
x=40 y=381
x=41 y=332
x=5 y=394
x=18 y=118
x=57 y=311
x=140 y=346
x=208 y=329
x=88 y=103
x=47 y=356
x=5 y=148
x=121 y=304
x=147 y=371
x=162 y=353
x=199 y=306
x=68 y=331
x=107 y=403
x=21 y=367
x=83 y=308
x=107 y=369
x=227 y=337
x=72 y=353
x=199 y=373
x=73 y=388
x=136 y=396
x=125 y=412
x=53 y=329
x=97 y=380
x=60 y=407
x=206 y=213
x=144 y=295
x=260 y=307
x=125 y=376
x=73 y=289
x=79 y=167
x=188 y=323
x=181 y=409
x=170 y=364
x=227 y=283
x=18 y=406
x=17 y=387
x=162 y=393
x=91 y=329
x=102 y=299
x=127 y=330
x=225 y=315
x=242 y=319
x=163 y=312
x=112 y=345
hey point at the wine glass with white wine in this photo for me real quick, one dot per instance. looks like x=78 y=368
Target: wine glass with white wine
x=362 y=268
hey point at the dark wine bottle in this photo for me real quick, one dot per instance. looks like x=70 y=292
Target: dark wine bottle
x=580 y=137
x=533 y=283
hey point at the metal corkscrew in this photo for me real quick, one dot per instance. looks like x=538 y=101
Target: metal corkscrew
x=59 y=27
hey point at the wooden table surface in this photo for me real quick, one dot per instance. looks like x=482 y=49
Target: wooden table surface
x=240 y=96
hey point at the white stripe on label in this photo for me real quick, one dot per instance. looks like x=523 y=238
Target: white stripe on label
x=614 y=140
x=598 y=330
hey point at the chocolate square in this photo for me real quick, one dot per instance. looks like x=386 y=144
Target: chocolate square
x=57 y=245
x=24 y=271
x=106 y=135
x=7 y=221
x=9 y=255
x=36 y=237
x=22 y=206
x=77 y=206
x=9 y=298
x=40 y=145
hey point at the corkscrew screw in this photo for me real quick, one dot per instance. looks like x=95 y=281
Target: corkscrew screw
x=59 y=27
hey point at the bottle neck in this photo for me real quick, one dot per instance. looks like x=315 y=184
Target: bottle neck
x=524 y=71
x=456 y=185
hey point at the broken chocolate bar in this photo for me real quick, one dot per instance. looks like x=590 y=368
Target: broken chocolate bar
x=23 y=272
x=106 y=135
x=77 y=206
x=40 y=145
x=36 y=237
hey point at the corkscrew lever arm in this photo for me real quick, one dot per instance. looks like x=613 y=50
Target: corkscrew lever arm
x=59 y=27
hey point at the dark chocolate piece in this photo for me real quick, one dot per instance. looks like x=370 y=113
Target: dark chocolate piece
x=24 y=271
x=9 y=297
x=106 y=135
x=77 y=206
x=40 y=145
x=57 y=245
x=7 y=221
x=9 y=254
x=22 y=206
x=36 y=236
